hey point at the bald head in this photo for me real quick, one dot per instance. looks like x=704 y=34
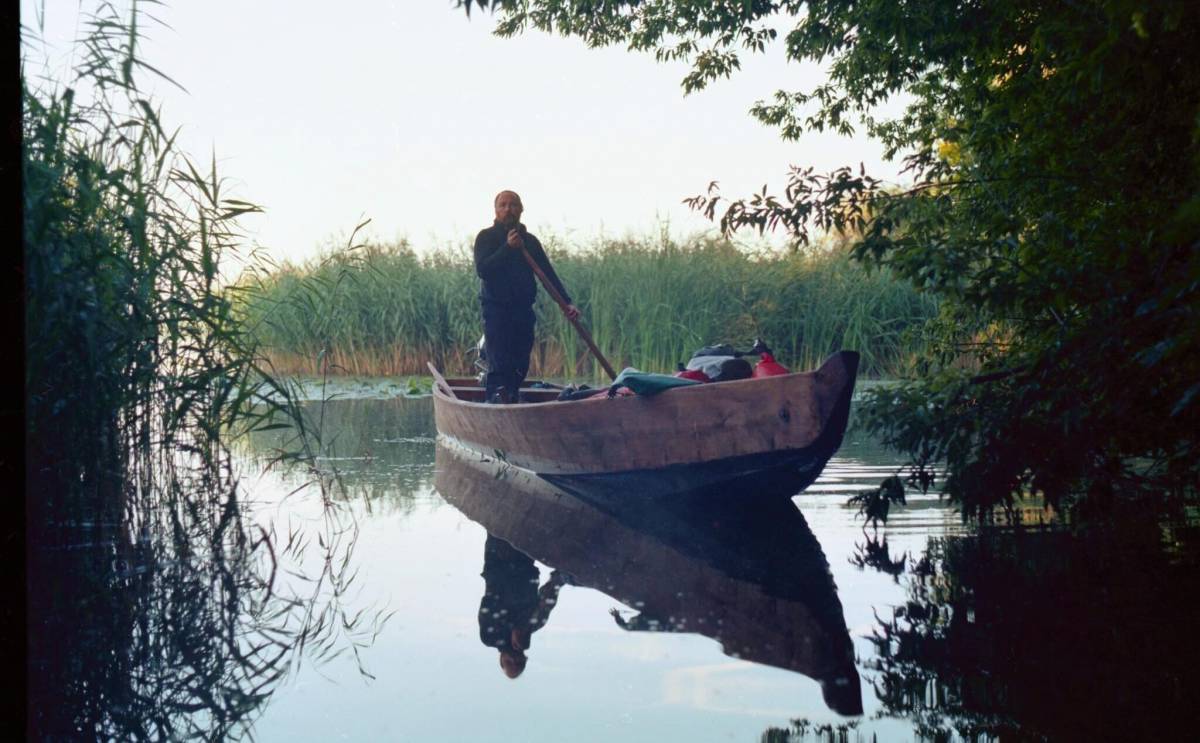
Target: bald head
x=508 y=207
x=512 y=194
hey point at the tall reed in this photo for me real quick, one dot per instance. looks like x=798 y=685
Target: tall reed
x=648 y=302
x=153 y=607
x=134 y=353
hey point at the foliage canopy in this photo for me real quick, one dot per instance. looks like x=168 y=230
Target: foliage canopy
x=1053 y=205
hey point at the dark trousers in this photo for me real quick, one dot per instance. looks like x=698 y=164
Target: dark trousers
x=508 y=333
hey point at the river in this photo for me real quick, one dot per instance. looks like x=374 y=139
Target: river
x=434 y=596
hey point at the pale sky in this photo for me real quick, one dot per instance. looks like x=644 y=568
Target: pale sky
x=412 y=116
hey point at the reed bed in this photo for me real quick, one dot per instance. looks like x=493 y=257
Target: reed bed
x=649 y=303
x=153 y=605
x=131 y=349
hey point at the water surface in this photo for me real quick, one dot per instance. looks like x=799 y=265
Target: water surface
x=456 y=599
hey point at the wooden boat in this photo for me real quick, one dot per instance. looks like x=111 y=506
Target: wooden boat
x=784 y=428
x=753 y=579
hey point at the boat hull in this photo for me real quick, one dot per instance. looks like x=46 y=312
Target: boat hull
x=782 y=429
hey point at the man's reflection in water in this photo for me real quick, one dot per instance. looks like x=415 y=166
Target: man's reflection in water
x=513 y=607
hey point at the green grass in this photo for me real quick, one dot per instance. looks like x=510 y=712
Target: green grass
x=381 y=309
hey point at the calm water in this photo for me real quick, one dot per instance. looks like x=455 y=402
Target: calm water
x=443 y=598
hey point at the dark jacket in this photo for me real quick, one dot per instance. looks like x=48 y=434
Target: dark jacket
x=507 y=278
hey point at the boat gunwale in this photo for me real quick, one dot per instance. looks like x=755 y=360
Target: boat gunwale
x=682 y=389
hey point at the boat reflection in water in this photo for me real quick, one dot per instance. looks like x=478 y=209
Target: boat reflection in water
x=750 y=576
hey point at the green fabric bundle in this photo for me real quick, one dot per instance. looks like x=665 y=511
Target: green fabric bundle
x=646 y=383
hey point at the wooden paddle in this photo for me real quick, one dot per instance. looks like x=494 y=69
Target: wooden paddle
x=562 y=303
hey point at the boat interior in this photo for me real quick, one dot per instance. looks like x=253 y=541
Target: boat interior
x=470 y=390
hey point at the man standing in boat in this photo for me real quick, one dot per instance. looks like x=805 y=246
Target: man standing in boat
x=506 y=296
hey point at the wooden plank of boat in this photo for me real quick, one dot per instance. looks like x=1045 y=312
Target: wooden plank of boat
x=439 y=382
x=474 y=382
x=753 y=579
x=685 y=438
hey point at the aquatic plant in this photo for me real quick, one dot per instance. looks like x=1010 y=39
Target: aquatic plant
x=153 y=602
x=649 y=302
x=134 y=354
